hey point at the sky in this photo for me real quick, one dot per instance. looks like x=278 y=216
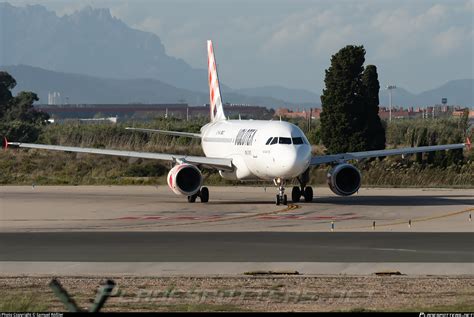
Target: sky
x=417 y=45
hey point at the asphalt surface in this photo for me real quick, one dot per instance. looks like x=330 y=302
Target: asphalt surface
x=231 y=209
x=238 y=247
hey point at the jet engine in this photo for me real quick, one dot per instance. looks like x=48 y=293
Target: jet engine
x=185 y=179
x=344 y=179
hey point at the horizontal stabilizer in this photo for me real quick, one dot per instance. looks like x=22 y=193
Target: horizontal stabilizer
x=173 y=133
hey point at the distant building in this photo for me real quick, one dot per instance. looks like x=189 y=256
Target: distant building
x=305 y=113
x=435 y=111
x=460 y=112
x=397 y=113
x=54 y=98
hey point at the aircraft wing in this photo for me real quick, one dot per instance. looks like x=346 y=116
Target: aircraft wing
x=174 y=133
x=212 y=162
x=325 y=159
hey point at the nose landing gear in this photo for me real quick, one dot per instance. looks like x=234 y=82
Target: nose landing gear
x=281 y=198
x=296 y=193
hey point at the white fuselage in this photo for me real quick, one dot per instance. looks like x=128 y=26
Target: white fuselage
x=254 y=154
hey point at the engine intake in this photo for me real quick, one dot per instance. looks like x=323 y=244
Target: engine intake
x=185 y=179
x=344 y=179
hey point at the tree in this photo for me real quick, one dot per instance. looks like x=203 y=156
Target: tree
x=422 y=137
x=464 y=121
x=375 y=131
x=22 y=109
x=7 y=83
x=343 y=115
x=19 y=120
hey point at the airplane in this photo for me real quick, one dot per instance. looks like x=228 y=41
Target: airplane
x=243 y=150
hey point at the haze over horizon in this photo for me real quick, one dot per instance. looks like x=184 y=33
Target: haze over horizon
x=416 y=45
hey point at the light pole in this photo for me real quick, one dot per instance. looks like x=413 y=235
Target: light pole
x=390 y=88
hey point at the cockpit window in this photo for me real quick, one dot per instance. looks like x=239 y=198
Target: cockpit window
x=298 y=140
x=284 y=140
x=281 y=140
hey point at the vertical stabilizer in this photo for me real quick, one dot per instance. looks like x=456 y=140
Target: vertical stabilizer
x=217 y=111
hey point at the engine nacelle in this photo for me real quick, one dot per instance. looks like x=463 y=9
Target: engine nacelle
x=185 y=179
x=344 y=179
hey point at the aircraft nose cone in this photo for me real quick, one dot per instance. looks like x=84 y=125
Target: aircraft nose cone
x=294 y=160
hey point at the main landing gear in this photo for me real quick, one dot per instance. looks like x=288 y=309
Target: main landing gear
x=203 y=193
x=305 y=191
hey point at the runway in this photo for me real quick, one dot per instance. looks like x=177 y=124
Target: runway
x=237 y=247
x=149 y=231
x=231 y=209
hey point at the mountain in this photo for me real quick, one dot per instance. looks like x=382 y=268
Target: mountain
x=90 y=41
x=400 y=97
x=458 y=92
x=79 y=89
x=89 y=89
x=94 y=43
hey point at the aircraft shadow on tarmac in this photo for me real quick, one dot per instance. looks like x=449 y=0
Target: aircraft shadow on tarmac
x=244 y=202
x=428 y=200
x=386 y=200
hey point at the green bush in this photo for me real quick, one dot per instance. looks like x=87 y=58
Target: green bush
x=148 y=169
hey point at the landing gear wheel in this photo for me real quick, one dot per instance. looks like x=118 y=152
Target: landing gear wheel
x=308 y=194
x=281 y=198
x=204 y=195
x=295 y=194
x=192 y=198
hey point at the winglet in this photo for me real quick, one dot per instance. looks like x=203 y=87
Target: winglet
x=468 y=144
x=5 y=143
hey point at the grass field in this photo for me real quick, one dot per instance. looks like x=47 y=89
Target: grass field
x=243 y=293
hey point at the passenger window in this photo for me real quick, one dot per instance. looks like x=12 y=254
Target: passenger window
x=268 y=141
x=284 y=140
x=274 y=141
x=298 y=140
